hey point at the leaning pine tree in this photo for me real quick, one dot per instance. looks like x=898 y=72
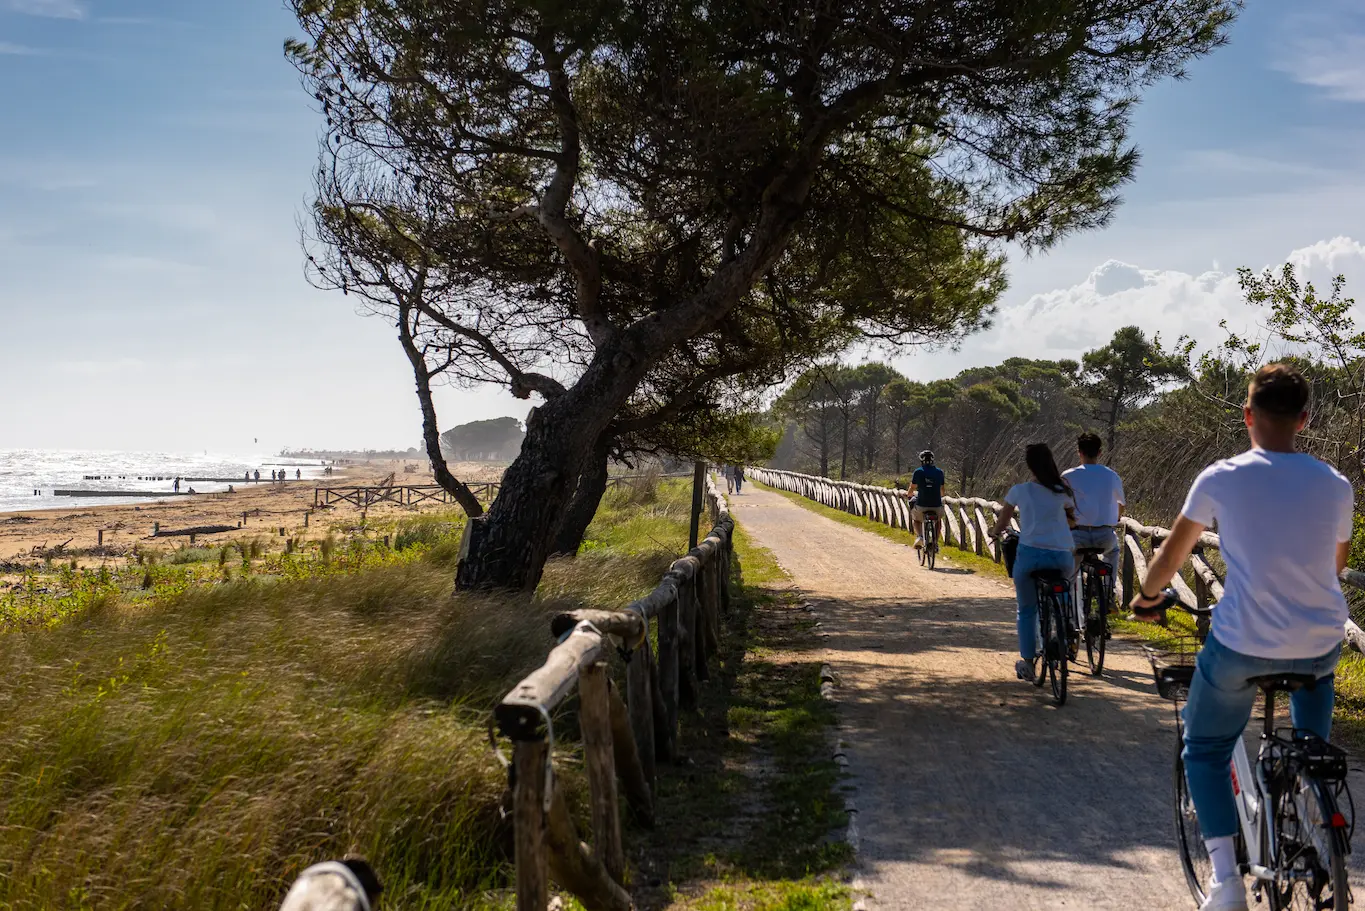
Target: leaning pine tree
x=619 y=208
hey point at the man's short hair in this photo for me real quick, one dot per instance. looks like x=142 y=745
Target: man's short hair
x=1279 y=392
x=1089 y=445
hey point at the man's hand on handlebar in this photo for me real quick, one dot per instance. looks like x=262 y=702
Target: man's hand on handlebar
x=1152 y=608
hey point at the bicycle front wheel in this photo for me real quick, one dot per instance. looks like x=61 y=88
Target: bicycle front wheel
x=1310 y=850
x=1194 y=857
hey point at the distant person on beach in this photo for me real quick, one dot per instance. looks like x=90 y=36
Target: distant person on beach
x=230 y=490
x=258 y=475
x=176 y=486
x=246 y=476
x=298 y=474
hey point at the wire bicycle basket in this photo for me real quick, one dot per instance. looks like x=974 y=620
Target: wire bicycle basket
x=1172 y=658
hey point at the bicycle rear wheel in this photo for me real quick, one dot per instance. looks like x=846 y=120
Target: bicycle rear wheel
x=1096 y=595
x=931 y=545
x=1055 y=664
x=1309 y=849
x=1194 y=857
x=1044 y=632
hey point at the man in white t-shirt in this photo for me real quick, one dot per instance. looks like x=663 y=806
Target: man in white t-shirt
x=1284 y=523
x=1099 y=502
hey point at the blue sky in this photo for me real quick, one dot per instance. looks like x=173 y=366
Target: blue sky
x=156 y=155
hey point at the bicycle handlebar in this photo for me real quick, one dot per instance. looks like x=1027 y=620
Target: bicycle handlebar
x=1171 y=598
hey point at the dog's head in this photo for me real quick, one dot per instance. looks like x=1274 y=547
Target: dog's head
x=346 y=885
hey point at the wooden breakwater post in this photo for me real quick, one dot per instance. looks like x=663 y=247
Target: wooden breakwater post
x=99 y=538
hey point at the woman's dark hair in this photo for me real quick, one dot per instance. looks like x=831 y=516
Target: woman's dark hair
x=1038 y=457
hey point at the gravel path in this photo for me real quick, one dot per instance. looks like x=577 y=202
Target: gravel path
x=972 y=790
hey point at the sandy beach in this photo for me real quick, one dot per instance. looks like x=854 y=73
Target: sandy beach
x=25 y=536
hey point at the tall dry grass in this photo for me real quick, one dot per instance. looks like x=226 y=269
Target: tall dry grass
x=198 y=754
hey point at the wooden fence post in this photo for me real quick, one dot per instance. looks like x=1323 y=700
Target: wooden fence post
x=640 y=704
x=698 y=486
x=663 y=737
x=528 y=813
x=1129 y=567
x=1201 y=588
x=687 y=640
x=668 y=666
x=626 y=751
x=594 y=709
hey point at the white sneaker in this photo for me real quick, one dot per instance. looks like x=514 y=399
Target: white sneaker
x=1230 y=895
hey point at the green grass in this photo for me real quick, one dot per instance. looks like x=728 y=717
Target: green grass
x=194 y=745
x=961 y=558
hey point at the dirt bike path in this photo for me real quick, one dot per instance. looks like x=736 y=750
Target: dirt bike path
x=972 y=790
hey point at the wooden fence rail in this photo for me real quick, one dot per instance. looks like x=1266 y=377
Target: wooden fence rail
x=623 y=740
x=968 y=520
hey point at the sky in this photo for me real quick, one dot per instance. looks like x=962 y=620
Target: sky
x=156 y=156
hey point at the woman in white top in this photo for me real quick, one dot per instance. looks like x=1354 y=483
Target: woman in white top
x=1046 y=507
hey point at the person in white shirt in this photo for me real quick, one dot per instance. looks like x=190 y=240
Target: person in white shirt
x=1099 y=502
x=1282 y=610
x=1045 y=507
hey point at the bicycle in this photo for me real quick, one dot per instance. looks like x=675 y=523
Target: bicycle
x=929 y=539
x=1097 y=599
x=1056 y=630
x=1293 y=836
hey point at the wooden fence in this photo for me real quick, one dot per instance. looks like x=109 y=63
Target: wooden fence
x=397 y=494
x=623 y=740
x=967 y=522
x=361 y=496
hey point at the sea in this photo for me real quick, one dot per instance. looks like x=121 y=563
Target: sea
x=29 y=477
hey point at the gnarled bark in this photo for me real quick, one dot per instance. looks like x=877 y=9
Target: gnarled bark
x=592 y=484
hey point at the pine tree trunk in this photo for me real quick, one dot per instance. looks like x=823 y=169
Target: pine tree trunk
x=592 y=484
x=843 y=457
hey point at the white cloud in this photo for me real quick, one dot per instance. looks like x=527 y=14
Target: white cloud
x=54 y=9
x=1325 y=259
x=1327 y=50
x=1065 y=322
x=18 y=50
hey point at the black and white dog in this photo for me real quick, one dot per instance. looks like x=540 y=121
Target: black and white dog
x=345 y=885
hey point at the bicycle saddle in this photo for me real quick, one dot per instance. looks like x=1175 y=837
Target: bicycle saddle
x=1286 y=682
x=1049 y=575
x=1090 y=551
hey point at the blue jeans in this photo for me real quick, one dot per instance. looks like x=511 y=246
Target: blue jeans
x=1027 y=561
x=1218 y=710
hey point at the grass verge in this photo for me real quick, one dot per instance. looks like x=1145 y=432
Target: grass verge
x=196 y=750
x=751 y=818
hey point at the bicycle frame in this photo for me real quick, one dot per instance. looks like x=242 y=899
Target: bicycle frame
x=1254 y=822
x=1090 y=566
